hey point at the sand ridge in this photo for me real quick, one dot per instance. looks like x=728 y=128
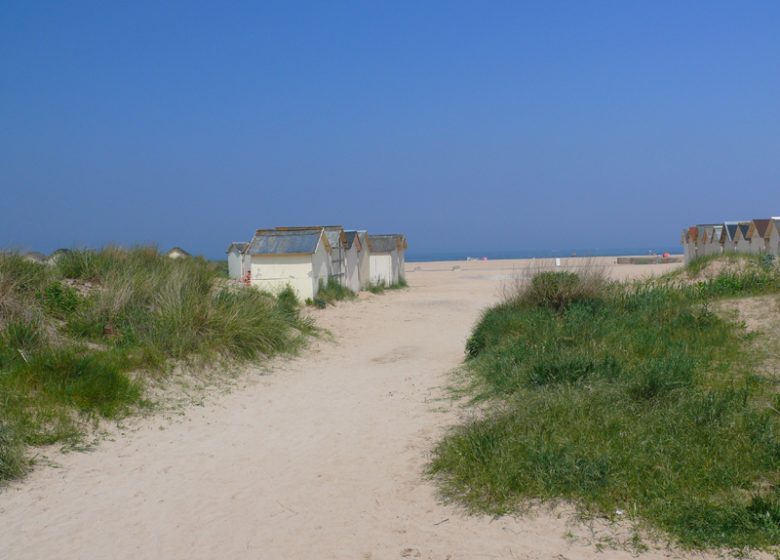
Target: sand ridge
x=322 y=458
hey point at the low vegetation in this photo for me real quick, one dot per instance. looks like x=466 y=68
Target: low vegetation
x=329 y=293
x=633 y=401
x=380 y=287
x=78 y=339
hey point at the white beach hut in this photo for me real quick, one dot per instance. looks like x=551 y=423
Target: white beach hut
x=238 y=260
x=299 y=258
x=727 y=236
x=177 y=253
x=335 y=236
x=383 y=254
x=353 y=252
x=713 y=245
x=741 y=240
x=34 y=257
x=702 y=238
x=401 y=259
x=772 y=237
x=756 y=235
x=688 y=245
x=338 y=258
x=364 y=259
x=387 y=259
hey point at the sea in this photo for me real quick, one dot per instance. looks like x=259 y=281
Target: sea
x=413 y=256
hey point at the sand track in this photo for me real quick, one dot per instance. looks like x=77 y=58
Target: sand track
x=323 y=458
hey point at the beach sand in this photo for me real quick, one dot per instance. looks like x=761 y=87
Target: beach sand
x=323 y=457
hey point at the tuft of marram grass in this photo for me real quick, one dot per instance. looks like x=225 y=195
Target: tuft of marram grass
x=625 y=397
x=380 y=287
x=330 y=292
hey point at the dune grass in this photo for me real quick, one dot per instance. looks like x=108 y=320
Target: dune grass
x=329 y=293
x=380 y=287
x=635 y=398
x=78 y=339
x=744 y=260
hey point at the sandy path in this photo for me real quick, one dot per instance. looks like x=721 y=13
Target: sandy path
x=320 y=459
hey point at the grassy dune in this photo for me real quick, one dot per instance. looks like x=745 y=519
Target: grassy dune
x=78 y=339
x=632 y=401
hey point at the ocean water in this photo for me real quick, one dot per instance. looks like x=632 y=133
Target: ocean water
x=412 y=256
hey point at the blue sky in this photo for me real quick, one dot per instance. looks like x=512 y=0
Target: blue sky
x=469 y=126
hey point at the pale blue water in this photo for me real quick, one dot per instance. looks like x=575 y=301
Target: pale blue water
x=412 y=256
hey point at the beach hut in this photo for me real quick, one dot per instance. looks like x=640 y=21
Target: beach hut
x=34 y=257
x=687 y=244
x=701 y=240
x=704 y=239
x=354 y=253
x=56 y=255
x=364 y=264
x=382 y=255
x=741 y=240
x=403 y=245
x=772 y=237
x=177 y=253
x=727 y=236
x=335 y=236
x=703 y=232
x=238 y=260
x=387 y=258
x=299 y=258
x=713 y=245
x=338 y=258
x=756 y=235
x=690 y=244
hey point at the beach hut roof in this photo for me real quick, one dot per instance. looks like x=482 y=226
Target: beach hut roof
x=178 y=250
x=386 y=243
x=758 y=228
x=239 y=245
x=336 y=237
x=382 y=243
x=742 y=229
x=303 y=241
x=704 y=230
x=774 y=223
x=34 y=256
x=729 y=230
x=350 y=238
x=332 y=233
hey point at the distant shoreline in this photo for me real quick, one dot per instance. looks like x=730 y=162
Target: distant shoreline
x=524 y=255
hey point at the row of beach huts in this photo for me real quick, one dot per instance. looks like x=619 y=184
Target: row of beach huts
x=307 y=258
x=760 y=236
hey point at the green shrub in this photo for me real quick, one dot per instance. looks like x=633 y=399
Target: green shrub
x=557 y=290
